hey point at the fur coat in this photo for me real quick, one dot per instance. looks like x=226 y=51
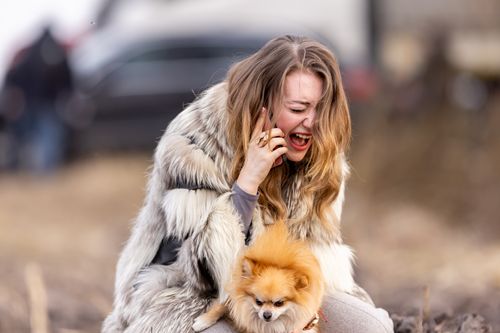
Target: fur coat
x=189 y=200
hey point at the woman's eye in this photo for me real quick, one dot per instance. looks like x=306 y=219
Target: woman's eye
x=279 y=303
x=258 y=302
x=297 y=110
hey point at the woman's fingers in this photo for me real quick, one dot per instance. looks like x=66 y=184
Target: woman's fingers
x=275 y=142
x=278 y=152
x=265 y=150
x=263 y=138
x=276 y=132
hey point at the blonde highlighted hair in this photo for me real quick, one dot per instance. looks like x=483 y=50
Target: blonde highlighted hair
x=258 y=81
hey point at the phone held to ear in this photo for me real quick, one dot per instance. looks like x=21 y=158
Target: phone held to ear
x=282 y=158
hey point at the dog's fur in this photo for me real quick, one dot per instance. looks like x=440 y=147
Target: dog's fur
x=277 y=287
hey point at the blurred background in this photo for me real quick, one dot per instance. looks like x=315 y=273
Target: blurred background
x=88 y=86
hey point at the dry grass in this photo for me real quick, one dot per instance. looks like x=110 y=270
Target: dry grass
x=70 y=225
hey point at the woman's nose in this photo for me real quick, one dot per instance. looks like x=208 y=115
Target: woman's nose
x=309 y=118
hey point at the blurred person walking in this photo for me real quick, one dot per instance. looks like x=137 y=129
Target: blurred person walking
x=35 y=87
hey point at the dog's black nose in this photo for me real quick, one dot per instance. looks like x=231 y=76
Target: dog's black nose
x=267 y=315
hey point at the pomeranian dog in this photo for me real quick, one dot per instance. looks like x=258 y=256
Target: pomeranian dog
x=277 y=287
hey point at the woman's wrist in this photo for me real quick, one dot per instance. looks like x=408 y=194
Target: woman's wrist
x=247 y=185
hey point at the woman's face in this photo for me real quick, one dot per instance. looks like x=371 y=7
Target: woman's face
x=297 y=113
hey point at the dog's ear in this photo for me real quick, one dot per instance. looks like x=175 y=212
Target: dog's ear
x=301 y=281
x=247 y=267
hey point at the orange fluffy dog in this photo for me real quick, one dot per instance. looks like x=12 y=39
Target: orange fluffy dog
x=277 y=287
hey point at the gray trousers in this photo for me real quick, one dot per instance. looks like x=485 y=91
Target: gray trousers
x=343 y=314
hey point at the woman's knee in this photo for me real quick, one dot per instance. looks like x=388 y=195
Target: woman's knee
x=345 y=313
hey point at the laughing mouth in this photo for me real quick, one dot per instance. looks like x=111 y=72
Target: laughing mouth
x=300 y=139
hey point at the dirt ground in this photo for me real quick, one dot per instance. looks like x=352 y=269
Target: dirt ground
x=60 y=235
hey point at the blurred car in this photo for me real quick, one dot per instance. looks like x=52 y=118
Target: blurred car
x=138 y=71
x=127 y=100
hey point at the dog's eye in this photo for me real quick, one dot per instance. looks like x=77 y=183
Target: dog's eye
x=258 y=302
x=278 y=303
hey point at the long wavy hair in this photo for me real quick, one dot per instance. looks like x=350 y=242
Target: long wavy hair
x=258 y=81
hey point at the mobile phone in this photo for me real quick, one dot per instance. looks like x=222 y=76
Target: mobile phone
x=282 y=158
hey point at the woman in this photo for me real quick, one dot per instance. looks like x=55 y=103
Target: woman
x=268 y=143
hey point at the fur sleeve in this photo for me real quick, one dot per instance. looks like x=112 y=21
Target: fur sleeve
x=187 y=196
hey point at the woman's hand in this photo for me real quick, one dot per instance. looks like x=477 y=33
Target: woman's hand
x=263 y=153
